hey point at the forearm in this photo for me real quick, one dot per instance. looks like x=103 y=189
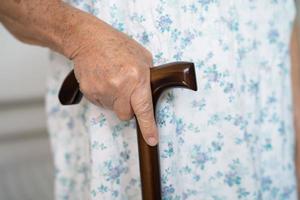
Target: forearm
x=49 y=23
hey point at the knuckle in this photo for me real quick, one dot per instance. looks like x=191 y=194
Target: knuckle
x=136 y=72
x=143 y=108
x=133 y=73
x=114 y=84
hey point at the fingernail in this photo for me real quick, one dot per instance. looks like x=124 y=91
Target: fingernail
x=152 y=141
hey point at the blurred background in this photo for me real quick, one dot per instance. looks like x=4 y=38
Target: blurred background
x=26 y=169
x=26 y=166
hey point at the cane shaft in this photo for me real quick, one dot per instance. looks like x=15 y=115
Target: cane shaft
x=149 y=169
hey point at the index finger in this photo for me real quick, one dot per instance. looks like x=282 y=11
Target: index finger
x=141 y=102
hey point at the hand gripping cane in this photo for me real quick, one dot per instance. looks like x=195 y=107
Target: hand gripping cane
x=176 y=74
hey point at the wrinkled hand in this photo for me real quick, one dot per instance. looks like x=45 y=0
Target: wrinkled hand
x=113 y=71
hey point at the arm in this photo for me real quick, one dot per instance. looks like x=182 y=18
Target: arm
x=44 y=23
x=295 y=58
x=113 y=70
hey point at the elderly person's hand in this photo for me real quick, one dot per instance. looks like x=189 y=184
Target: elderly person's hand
x=113 y=70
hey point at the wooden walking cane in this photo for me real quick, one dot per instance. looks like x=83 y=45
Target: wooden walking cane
x=176 y=74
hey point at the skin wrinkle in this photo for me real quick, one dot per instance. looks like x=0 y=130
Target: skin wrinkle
x=94 y=46
x=105 y=59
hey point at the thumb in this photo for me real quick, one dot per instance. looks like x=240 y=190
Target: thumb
x=141 y=102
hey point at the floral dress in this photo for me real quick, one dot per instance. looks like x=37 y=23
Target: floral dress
x=232 y=139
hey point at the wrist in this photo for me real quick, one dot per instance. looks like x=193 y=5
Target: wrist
x=78 y=29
